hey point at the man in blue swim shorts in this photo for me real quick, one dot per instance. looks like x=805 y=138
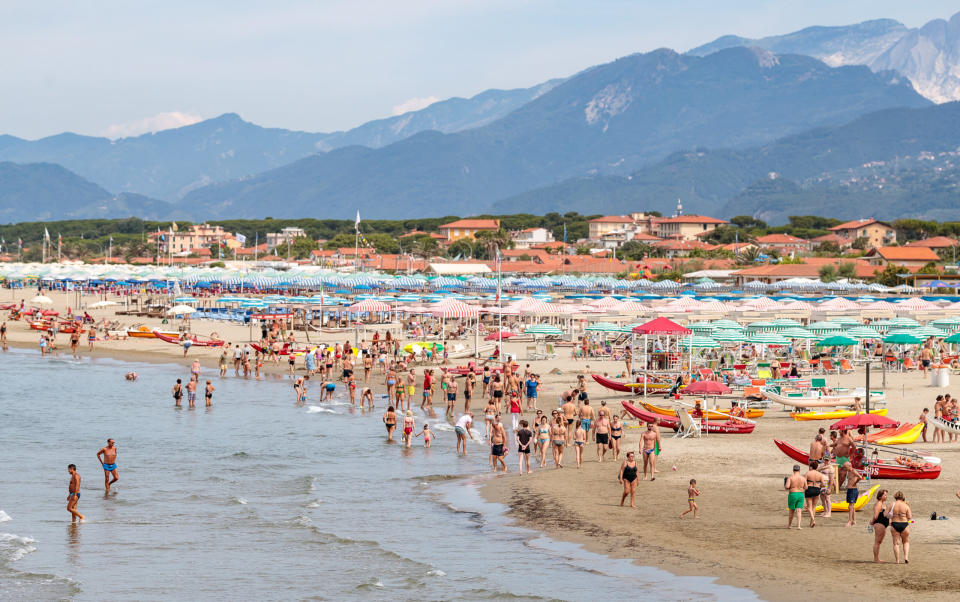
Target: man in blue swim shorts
x=107 y=456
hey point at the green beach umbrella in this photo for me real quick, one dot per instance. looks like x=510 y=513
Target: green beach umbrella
x=904 y=322
x=726 y=324
x=953 y=338
x=603 y=327
x=729 y=335
x=837 y=340
x=929 y=331
x=698 y=342
x=702 y=327
x=784 y=323
x=881 y=325
x=902 y=338
x=768 y=338
x=798 y=333
x=825 y=327
x=846 y=321
x=862 y=332
x=761 y=327
x=542 y=329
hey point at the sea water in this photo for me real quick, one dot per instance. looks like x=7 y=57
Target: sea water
x=258 y=499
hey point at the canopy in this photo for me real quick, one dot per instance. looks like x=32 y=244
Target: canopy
x=176 y=310
x=858 y=420
x=706 y=387
x=368 y=305
x=661 y=326
x=837 y=341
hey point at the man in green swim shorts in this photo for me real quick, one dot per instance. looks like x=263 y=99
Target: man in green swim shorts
x=795 y=484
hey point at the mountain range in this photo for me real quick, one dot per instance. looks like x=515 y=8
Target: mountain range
x=171 y=163
x=929 y=56
x=808 y=119
x=610 y=119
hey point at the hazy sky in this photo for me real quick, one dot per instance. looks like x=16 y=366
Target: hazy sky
x=116 y=68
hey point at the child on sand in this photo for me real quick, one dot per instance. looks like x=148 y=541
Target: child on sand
x=427 y=435
x=692 y=493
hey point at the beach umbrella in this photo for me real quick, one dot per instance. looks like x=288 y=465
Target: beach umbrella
x=702 y=327
x=798 y=333
x=825 y=327
x=862 y=332
x=726 y=324
x=100 y=304
x=762 y=326
x=904 y=322
x=494 y=336
x=698 y=342
x=177 y=310
x=953 y=338
x=858 y=420
x=603 y=327
x=706 y=387
x=837 y=340
x=902 y=338
x=41 y=300
x=768 y=338
x=186 y=300
x=542 y=329
x=728 y=335
x=368 y=305
x=928 y=331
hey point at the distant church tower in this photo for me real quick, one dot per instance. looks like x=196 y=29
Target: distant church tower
x=679 y=209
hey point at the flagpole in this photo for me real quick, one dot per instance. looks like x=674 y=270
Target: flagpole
x=499 y=309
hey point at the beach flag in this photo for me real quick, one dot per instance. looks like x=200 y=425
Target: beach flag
x=241 y=238
x=356 y=224
x=46 y=235
x=19 y=243
x=173 y=227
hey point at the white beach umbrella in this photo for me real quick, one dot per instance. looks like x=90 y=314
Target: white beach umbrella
x=100 y=304
x=41 y=300
x=177 y=310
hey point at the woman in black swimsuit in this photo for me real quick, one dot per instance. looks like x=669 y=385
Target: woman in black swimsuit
x=812 y=492
x=628 y=476
x=880 y=523
x=900 y=517
x=616 y=431
x=390 y=421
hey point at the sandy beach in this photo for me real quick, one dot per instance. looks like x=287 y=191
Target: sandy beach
x=740 y=537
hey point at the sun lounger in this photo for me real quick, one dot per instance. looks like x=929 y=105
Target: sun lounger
x=688 y=426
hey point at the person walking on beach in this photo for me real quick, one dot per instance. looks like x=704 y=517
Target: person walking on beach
x=814 y=484
x=649 y=443
x=223 y=363
x=91 y=337
x=795 y=484
x=73 y=493
x=177 y=393
x=853 y=478
x=107 y=456
x=469 y=383
x=208 y=393
x=74 y=341
x=586 y=416
x=879 y=523
x=558 y=436
x=842 y=451
x=616 y=433
x=427 y=435
x=602 y=435
x=569 y=410
x=692 y=493
x=900 y=517
x=524 y=438
x=462 y=429
x=628 y=478
x=579 y=439
x=923 y=421
x=543 y=439
x=498 y=441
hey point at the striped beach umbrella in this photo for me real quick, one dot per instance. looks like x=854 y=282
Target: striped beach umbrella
x=603 y=327
x=862 y=332
x=928 y=331
x=698 y=342
x=798 y=333
x=702 y=327
x=542 y=329
x=768 y=338
x=825 y=327
x=902 y=338
x=837 y=340
x=729 y=335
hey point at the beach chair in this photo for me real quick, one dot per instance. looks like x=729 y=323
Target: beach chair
x=551 y=353
x=688 y=426
x=706 y=374
x=908 y=364
x=845 y=366
x=827 y=366
x=764 y=373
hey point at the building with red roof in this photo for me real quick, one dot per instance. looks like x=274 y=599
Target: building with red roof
x=876 y=232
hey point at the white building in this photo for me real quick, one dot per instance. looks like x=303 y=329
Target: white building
x=524 y=239
x=275 y=239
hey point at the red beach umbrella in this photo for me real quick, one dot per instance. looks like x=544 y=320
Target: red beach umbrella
x=493 y=336
x=706 y=387
x=858 y=420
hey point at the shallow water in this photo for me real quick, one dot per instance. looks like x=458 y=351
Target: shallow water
x=256 y=498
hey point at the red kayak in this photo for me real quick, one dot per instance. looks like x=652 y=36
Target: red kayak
x=635 y=388
x=194 y=341
x=879 y=470
x=285 y=350
x=734 y=428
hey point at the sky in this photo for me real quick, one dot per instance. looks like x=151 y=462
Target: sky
x=117 y=68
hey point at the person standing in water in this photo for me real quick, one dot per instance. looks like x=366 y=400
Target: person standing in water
x=208 y=393
x=498 y=442
x=462 y=429
x=107 y=456
x=390 y=421
x=73 y=493
x=177 y=393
